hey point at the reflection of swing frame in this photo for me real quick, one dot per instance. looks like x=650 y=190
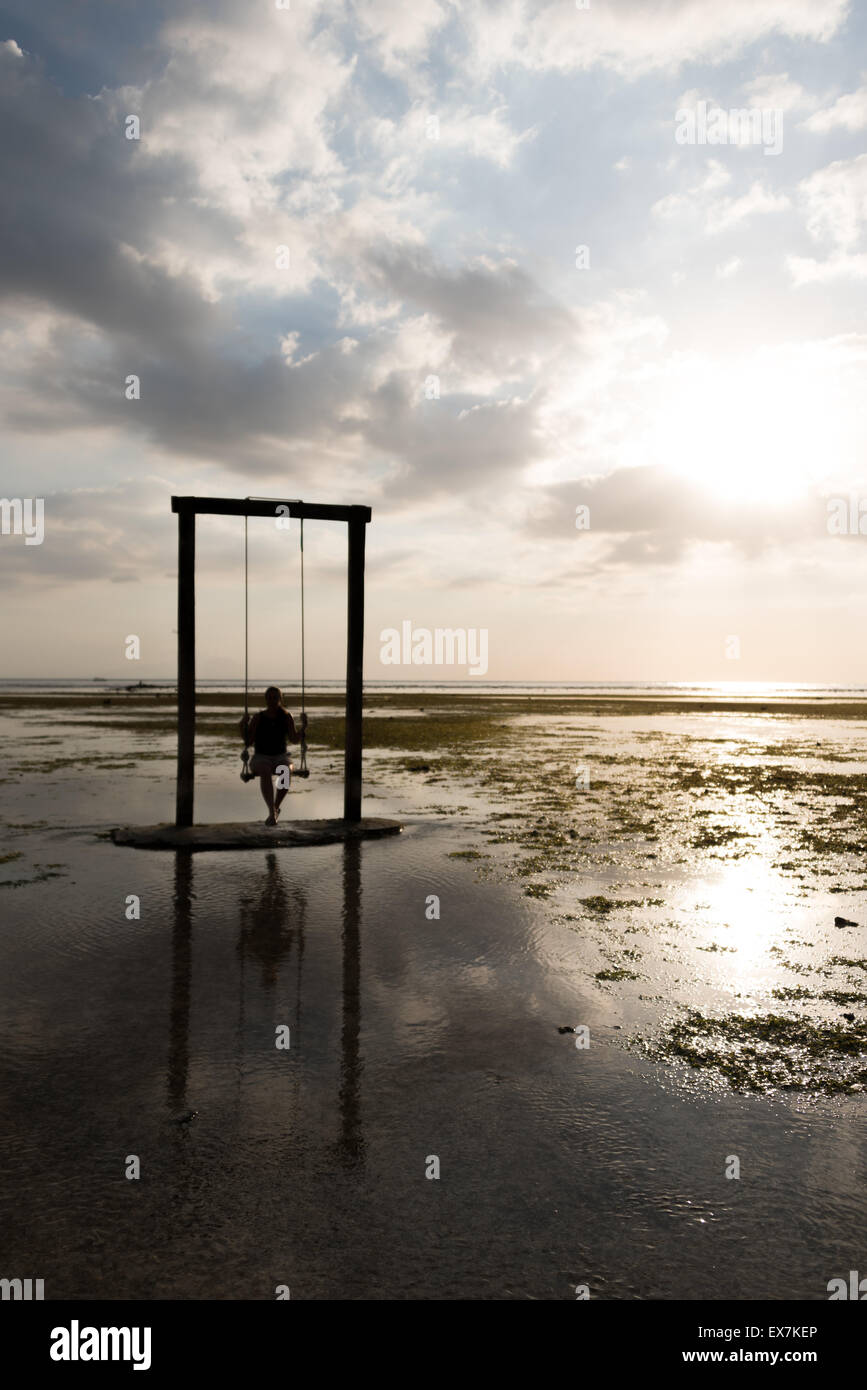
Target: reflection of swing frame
x=356 y=519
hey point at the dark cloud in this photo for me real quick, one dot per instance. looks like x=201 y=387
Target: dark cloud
x=498 y=307
x=85 y=47
x=82 y=206
x=652 y=515
x=85 y=212
x=94 y=534
x=127 y=534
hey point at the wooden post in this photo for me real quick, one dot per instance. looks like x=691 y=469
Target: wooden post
x=354 y=665
x=186 y=665
x=352 y=1142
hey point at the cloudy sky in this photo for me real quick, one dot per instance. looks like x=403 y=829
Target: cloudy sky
x=344 y=260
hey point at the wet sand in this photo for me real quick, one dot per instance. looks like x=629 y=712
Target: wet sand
x=649 y=873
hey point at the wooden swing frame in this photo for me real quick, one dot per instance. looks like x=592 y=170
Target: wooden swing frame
x=356 y=518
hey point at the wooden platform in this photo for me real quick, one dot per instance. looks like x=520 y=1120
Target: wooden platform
x=255 y=835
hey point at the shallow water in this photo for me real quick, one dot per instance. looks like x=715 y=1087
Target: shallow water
x=410 y=1038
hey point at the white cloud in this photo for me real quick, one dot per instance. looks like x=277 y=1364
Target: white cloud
x=427 y=134
x=775 y=90
x=683 y=204
x=718 y=214
x=632 y=37
x=804 y=270
x=244 y=101
x=401 y=32
x=834 y=201
x=849 y=112
x=728 y=212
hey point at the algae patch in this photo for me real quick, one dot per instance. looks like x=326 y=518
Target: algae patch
x=768 y=1052
x=600 y=906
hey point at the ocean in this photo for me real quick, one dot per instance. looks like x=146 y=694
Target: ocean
x=740 y=690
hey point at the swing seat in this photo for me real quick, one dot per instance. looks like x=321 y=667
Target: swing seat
x=248 y=776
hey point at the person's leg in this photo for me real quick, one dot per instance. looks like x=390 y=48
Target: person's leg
x=283 y=779
x=268 y=792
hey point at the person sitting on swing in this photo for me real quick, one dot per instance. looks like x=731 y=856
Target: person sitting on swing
x=269 y=731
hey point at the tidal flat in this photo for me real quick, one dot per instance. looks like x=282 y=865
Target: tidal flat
x=684 y=878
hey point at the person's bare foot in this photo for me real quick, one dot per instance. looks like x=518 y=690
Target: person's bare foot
x=272 y=820
x=276 y=812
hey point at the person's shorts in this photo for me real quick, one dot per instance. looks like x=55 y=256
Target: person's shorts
x=270 y=762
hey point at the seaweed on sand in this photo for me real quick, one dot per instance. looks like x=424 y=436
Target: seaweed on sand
x=765 y=1052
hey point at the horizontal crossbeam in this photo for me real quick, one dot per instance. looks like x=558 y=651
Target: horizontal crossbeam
x=267 y=506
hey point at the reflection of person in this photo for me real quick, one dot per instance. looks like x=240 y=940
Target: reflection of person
x=269 y=731
x=272 y=924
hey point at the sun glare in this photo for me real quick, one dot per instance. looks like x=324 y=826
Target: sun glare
x=766 y=429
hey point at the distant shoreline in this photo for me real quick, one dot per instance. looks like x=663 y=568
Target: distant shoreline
x=609 y=689
x=819 y=706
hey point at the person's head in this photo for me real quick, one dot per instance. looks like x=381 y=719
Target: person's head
x=274 y=697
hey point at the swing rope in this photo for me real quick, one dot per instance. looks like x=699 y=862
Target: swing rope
x=246 y=630
x=302 y=767
x=246 y=774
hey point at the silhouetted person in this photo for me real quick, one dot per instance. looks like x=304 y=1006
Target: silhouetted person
x=270 y=730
